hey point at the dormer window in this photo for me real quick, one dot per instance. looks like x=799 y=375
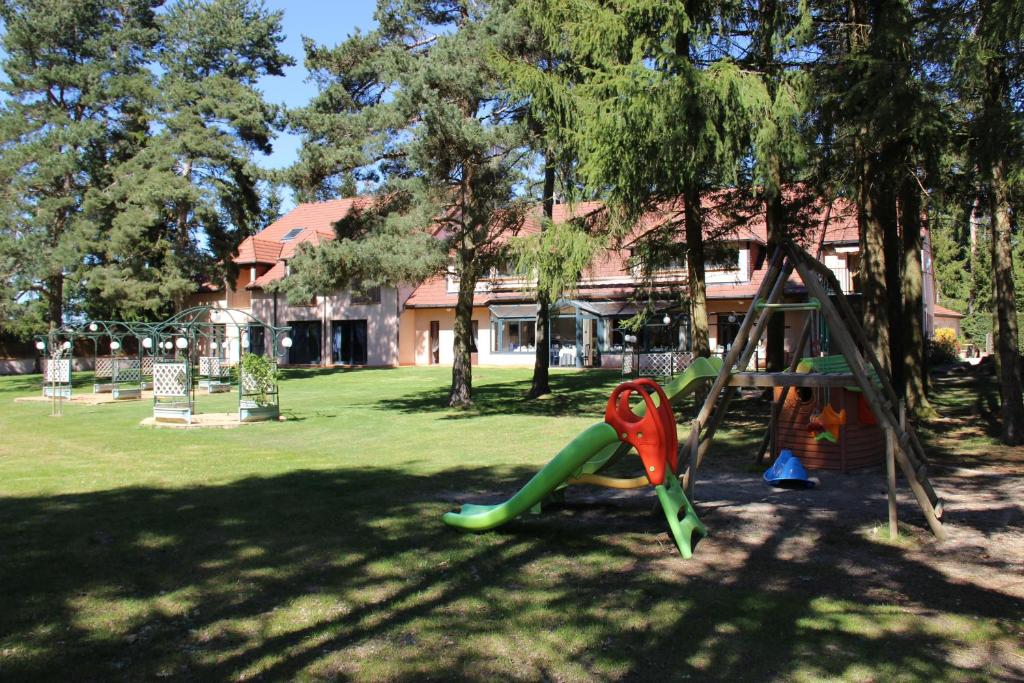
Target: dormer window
x=291 y=234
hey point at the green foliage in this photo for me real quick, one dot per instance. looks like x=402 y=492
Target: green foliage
x=75 y=73
x=415 y=112
x=128 y=142
x=943 y=347
x=263 y=374
x=554 y=258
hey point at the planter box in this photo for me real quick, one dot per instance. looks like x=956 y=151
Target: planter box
x=63 y=391
x=249 y=411
x=173 y=412
x=124 y=394
x=218 y=387
x=103 y=388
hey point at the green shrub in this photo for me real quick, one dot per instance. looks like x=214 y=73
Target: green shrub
x=943 y=347
x=263 y=374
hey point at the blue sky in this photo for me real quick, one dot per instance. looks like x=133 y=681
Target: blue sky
x=325 y=22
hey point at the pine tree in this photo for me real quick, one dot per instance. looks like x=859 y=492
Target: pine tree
x=780 y=28
x=664 y=113
x=416 y=109
x=73 y=71
x=991 y=70
x=192 y=192
x=543 y=75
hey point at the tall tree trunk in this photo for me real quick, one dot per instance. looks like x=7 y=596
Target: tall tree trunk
x=694 y=240
x=1006 y=341
x=914 y=371
x=1003 y=295
x=55 y=300
x=889 y=192
x=461 y=394
x=542 y=360
x=872 y=249
x=695 y=271
x=775 y=356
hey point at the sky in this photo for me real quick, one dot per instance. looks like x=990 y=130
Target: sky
x=327 y=22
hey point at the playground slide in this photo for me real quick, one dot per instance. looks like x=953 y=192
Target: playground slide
x=564 y=465
x=587 y=453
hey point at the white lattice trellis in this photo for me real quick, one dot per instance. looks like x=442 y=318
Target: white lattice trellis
x=58 y=371
x=126 y=370
x=249 y=383
x=212 y=366
x=655 y=364
x=170 y=380
x=104 y=367
x=681 y=360
x=662 y=364
x=147 y=366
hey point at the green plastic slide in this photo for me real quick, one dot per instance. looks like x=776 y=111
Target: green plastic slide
x=593 y=450
x=568 y=461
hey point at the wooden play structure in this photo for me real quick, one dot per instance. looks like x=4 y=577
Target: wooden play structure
x=854 y=381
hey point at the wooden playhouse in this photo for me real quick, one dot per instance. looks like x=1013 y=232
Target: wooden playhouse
x=859 y=441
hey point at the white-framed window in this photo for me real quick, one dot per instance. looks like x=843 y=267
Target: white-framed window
x=514 y=335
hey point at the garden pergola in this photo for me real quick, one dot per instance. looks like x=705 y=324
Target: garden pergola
x=164 y=356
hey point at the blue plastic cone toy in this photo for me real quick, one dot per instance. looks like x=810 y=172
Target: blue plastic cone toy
x=787 y=471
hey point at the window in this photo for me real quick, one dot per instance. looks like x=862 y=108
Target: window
x=367 y=295
x=256 y=339
x=504 y=267
x=306 y=336
x=291 y=234
x=654 y=336
x=348 y=342
x=658 y=337
x=722 y=258
x=514 y=336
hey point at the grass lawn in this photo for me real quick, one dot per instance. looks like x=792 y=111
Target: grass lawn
x=313 y=549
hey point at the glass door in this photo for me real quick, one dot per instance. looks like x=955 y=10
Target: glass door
x=348 y=342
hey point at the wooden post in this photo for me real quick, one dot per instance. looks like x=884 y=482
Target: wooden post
x=890 y=481
x=691 y=448
x=773 y=430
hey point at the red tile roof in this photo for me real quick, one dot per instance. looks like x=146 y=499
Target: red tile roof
x=275 y=273
x=943 y=312
x=316 y=220
x=604 y=277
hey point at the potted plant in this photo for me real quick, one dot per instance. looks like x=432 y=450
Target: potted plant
x=258 y=382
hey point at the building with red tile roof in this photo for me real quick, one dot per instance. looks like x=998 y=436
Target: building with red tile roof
x=415 y=325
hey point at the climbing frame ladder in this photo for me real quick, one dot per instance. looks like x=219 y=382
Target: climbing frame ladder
x=826 y=296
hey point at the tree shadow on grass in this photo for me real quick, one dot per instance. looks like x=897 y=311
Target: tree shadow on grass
x=350 y=573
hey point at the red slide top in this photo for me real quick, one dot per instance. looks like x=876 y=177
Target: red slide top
x=653 y=435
